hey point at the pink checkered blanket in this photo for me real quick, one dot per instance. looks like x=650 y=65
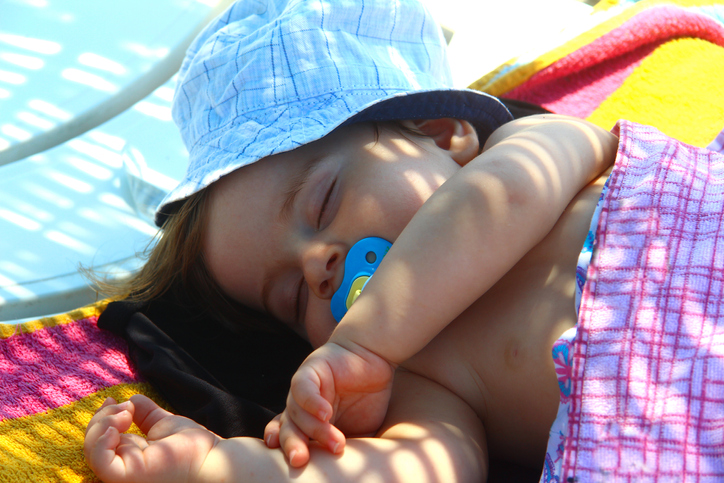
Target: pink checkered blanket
x=648 y=363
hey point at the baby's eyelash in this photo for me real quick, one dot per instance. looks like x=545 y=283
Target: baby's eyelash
x=324 y=204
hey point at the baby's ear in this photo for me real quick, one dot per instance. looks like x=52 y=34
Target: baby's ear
x=456 y=136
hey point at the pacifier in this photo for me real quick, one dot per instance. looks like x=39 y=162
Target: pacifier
x=362 y=260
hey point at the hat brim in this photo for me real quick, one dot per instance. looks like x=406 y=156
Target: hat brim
x=485 y=112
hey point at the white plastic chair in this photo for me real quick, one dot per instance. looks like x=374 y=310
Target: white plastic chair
x=77 y=199
x=68 y=66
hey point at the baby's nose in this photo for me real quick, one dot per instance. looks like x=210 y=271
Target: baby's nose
x=322 y=265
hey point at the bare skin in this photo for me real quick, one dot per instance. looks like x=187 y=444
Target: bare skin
x=483 y=386
x=468 y=235
x=497 y=355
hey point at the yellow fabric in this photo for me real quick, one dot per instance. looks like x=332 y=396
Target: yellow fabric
x=48 y=447
x=605 y=5
x=491 y=84
x=679 y=88
x=9 y=330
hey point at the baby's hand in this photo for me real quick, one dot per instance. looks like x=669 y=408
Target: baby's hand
x=336 y=391
x=173 y=451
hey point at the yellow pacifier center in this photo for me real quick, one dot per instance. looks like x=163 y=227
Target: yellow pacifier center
x=355 y=289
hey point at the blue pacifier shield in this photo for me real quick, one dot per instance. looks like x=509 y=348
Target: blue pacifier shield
x=362 y=260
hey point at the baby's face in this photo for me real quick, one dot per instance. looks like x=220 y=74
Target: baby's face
x=279 y=230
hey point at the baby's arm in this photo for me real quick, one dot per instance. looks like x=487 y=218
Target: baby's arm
x=469 y=233
x=430 y=434
x=473 y=230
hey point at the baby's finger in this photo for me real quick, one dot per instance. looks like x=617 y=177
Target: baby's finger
x=322 y=432
x=106 y=453
x=100 y=452
x=130 y=450
x=293 y=442
x=305 y=392
x=147 y=412
x=108 y=402
x=271 y=432
x=115 y=456
x=119 y=416
x=102 y=411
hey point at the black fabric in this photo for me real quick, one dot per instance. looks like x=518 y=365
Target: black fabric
x=232 y=383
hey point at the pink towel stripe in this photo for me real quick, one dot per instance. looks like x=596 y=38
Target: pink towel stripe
x=55 y=366
x=580 y=93
x=648 y=363
x=602 y=65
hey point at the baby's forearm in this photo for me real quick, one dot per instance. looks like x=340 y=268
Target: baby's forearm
x=473 y=230
x=248 y=460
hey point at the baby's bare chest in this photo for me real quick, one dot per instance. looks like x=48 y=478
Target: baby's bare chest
x=497 y=354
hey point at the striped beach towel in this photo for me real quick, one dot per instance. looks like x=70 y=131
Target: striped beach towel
x=55 y=372
x=654 y=62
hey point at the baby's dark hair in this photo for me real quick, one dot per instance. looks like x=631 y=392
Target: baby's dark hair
x=175 y=267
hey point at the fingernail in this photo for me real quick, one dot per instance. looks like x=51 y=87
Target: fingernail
x=335 y=448
x=268 y=440
x=125 y=405
x=323 y=415
x=292 y=454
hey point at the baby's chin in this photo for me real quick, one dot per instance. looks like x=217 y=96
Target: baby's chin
x=319 y=325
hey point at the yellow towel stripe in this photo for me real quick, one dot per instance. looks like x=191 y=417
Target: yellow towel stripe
x=497 y=87
x=678 y=88
x=48 y=447
x=9 y=330
x=605 y=5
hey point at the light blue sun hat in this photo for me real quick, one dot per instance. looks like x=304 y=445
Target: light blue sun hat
x=268 y=76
